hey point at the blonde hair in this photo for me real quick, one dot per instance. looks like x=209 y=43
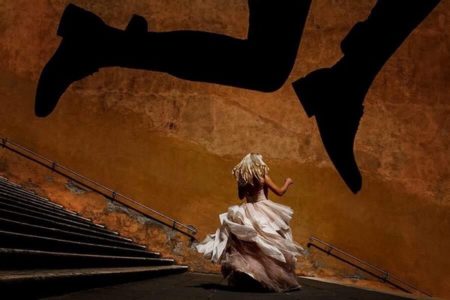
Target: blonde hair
x=251 y=170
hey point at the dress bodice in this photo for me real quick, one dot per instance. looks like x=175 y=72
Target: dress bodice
x=258 y=196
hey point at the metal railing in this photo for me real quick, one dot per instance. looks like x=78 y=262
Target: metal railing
x=107 y=192
x=375 y=271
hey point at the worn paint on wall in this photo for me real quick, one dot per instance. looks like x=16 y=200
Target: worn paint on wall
x=172 y=143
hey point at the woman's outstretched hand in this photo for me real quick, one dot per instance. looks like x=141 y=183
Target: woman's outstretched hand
x=274 y=188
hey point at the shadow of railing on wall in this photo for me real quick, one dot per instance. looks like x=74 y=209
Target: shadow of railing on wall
x=107 y=192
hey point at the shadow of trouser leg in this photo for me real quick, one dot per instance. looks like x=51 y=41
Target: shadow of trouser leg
x=335 y=95
x=373 y=41
x=260 y=62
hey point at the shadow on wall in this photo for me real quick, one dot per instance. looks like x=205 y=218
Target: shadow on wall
x=261 y=62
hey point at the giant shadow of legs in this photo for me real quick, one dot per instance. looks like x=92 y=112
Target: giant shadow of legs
x=335 y=95
x=261 y=62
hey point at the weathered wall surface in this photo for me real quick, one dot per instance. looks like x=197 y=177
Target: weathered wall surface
x=146 y=231
x=172 y=143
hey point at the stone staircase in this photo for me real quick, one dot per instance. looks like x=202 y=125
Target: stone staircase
x=46 y=249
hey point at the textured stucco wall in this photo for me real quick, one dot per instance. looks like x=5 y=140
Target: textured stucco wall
x=172 y=143
x=151 y=233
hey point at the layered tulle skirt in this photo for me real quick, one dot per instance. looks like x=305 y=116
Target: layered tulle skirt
x=255 y=239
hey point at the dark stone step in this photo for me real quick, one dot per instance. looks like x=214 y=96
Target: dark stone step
x=27 y=241
x=59 y=224
x=39 y=275
x=40 y=283
x=38 y=203
x=32 y=199
x=19 y=188
x=56 y=212
x=26 y=228
x=18 y=259
x=33 y=203
x=31 y=212
x=28 y=197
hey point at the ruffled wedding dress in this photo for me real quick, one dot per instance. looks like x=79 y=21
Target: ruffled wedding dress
x=255 y=239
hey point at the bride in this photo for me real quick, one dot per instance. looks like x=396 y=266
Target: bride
x=254 y=243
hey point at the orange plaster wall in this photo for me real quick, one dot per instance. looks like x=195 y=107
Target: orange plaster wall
x=172 y=143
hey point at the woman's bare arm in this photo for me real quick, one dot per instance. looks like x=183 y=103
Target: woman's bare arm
x=274 y=188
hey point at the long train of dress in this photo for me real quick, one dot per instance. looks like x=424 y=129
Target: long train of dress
x=255 y=239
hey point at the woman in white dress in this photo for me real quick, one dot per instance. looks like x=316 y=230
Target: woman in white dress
x=254 y=243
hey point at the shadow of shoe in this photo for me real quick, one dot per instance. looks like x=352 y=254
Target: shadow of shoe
x=337 y=114
x=335 y=96
x=73 y=60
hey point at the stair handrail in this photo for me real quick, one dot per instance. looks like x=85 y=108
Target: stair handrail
x=93 y=185
x=383 y=275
